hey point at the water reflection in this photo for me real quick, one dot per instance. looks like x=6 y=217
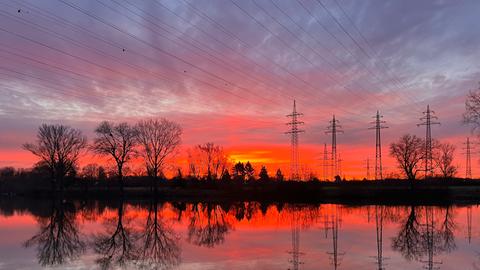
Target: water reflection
x=152 y=234
x=117 y=245
x=160 y=248
x=208 y=225
x=58 y=239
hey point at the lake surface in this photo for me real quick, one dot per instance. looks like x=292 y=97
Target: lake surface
x=241 y=235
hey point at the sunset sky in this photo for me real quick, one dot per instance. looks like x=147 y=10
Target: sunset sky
x=228 y=71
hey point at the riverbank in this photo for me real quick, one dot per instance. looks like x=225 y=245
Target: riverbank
x=354 y=192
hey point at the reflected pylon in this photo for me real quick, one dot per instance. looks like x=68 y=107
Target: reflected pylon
x=469 y=224
x=295 y=252
x=335 y=256
x=379 y=214
x=431 y=264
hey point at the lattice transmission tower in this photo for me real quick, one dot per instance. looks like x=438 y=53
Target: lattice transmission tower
x=367 y=166
x=326 y=162
x=379 y=125
x=428 y=119
x=333 y=129
x=468 y=162
x=294 y=131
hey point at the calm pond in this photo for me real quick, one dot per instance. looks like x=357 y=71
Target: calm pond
x=240 y=235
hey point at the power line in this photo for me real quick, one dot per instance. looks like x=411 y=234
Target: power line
x=356 y=42
x=385 y=66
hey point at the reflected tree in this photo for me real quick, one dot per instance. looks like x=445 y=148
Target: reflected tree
x=416 y=240
x=58 y=240
x=447 y=231
x=409 y=239
x=208 y=225
x=160 y=249
x=118 y=245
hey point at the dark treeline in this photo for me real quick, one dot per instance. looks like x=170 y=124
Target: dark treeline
x=155 y=144
x=435 y=190
x=153 y=242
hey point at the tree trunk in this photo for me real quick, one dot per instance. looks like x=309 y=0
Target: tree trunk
x=120 y=178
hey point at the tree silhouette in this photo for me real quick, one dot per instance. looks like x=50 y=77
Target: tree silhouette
x=159 y=249
x=207 y=160
x=443 y=156
x=249 y=171
x=117 y=141
x=408 y=151
x=263 y=175
x=58 y=240
x=58 y=147
x=279 y=175
x=118 y=245
x=239 y=172
x=159 y=139
x=208 y=225
x=226 y=176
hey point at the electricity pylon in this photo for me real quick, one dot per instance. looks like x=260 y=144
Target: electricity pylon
x=326 y=163
x=428 y=119
x=378 y=145
x=294 y=131
x=468 y=154
x=339 y=165
x=333 y=129
x=367 y=166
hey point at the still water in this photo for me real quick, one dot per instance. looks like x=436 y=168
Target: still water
x=240 y=235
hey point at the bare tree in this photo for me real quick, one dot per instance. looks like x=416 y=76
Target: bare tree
x=472 y=109
x=443 y=157
x=117 y=141
x=408 y=152
x=208 y=160
x=159 y=139
x=90 y=171
x=58 y=147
